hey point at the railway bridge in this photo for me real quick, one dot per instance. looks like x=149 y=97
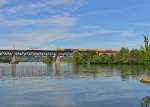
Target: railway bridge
x=56 y=53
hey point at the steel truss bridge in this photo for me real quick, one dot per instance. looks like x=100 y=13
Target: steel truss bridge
x=57 y=53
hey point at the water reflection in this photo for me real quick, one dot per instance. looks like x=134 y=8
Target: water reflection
x=58 y=71
x=13 y=68
x=86 y=70
x=125 y=72
x=73 y=85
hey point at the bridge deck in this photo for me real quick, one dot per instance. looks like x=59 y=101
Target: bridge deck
x=64 y=52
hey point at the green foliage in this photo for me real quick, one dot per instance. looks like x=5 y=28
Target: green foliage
x=125 y=56
x=48 y=59
x=84 y=58
x=66 y=59
x=146 y=41
x=21 y=59
x=135 y=56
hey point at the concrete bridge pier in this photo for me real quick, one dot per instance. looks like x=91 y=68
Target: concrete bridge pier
x=13 y=59
x=57 y=58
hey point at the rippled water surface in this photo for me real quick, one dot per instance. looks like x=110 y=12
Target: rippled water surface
x=68 y=85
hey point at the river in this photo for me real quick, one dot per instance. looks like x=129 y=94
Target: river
x=68 y=85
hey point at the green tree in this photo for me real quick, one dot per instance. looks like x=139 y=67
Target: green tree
x=48 y=59
x=122 y=56
x=147 y=49
x=146 y=42
x=138 y=56
x=134 y=56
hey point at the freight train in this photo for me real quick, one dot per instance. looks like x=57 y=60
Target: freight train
x=86 y=50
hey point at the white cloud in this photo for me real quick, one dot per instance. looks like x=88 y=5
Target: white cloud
x=27 y=13
x=54 y=21
x=141 y=24
x=58 y=20
x=40 y=13
x=91 y=27
x=59 y=2
x=43 y=39
x=3 y=1
x=36 y=6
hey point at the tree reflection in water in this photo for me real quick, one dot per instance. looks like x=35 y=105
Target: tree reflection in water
x=125 y=72
x=145 y=102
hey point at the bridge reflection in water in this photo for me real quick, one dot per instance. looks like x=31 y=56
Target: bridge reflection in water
x=70 y=70
x=13 y=68
x=78 y=80
x=34 y=71
x=57 y=71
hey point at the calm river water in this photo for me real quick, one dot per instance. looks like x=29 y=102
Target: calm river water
x=68 y=85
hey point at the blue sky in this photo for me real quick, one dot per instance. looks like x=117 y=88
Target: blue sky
x=50 y=24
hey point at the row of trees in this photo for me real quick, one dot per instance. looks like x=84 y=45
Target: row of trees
x=48 y=59
x=136 y=56
x=6 y=59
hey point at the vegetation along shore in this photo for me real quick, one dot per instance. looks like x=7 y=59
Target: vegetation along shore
x=124 y=56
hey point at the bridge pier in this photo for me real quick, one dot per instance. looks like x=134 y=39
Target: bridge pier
x=57 y=58
x=13 y=59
